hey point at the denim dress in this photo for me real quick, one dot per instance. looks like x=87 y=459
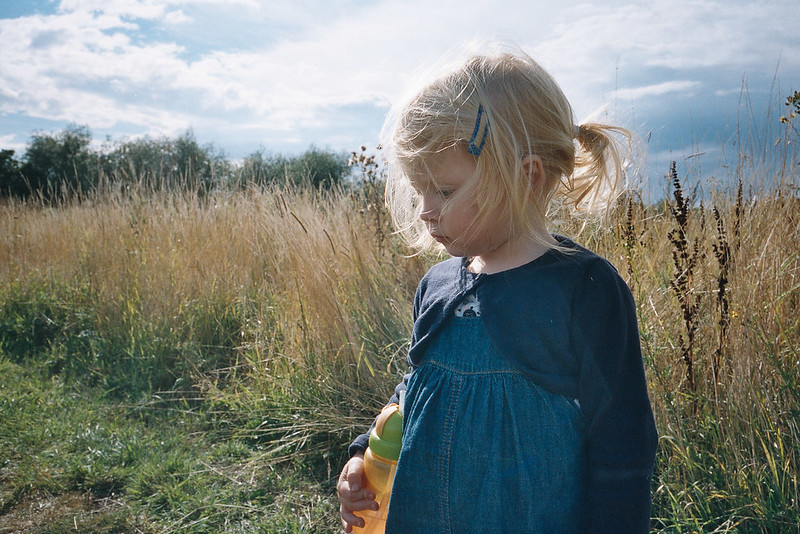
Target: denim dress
x=484 y=448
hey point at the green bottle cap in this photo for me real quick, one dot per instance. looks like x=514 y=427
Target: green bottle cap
x=385 y=439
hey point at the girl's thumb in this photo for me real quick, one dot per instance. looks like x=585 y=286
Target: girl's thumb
x=354 y=475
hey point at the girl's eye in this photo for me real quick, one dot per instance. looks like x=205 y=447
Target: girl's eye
x=445 y=192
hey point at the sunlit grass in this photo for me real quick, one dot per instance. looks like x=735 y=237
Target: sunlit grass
x=233 y=344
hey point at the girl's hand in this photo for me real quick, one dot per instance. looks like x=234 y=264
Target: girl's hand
x=353 y=493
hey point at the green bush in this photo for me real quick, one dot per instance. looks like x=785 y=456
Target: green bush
x=165 y=164
x=11 y=180
x=63 y=165
x=316 y=168
x=59 y=164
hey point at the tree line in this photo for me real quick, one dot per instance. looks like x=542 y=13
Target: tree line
x=55 y=165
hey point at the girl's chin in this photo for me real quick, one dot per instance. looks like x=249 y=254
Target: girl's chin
x=454 y=250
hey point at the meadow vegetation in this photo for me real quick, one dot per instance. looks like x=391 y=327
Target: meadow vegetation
x=177 y=360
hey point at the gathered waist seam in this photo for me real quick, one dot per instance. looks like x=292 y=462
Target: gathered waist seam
x=446 y=367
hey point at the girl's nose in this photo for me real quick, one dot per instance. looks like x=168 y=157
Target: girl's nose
x=430 y=208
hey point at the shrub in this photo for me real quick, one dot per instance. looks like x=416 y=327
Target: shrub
x=59 y=164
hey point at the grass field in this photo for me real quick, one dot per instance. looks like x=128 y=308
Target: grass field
x=175 y=363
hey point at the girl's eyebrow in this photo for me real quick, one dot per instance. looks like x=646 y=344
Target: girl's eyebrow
x=418 y=179
x=419 y=185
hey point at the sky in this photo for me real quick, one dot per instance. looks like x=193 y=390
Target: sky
x=282 y=75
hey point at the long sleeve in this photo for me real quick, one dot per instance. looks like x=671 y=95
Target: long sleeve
x=361 y=442
x=621 y=436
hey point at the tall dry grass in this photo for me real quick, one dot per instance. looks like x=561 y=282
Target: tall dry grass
x=285 y=315
x=276 y=300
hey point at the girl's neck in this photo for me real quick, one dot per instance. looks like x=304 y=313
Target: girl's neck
x=511 y=255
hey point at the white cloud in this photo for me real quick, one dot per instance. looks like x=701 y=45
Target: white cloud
x=728 y=91
x=136 y=9
x=141 y=9
x=9 y=142
x=176 y=17
x=95 y=62
x=600 y=50
x=659 y=89
x=61 y=66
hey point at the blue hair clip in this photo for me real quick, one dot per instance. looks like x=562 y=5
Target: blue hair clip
x=472 y=148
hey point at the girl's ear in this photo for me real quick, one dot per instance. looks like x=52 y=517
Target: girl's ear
x=534 y=170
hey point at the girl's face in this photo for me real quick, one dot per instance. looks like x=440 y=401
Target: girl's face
x=450 y=210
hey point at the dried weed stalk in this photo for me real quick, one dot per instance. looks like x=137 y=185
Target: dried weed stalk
x=686 y=258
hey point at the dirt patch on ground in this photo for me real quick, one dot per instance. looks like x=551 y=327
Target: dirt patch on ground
x=37 y=511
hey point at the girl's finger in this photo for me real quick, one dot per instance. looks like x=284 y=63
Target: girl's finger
x=349 y=519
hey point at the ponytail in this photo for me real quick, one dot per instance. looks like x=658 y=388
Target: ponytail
x=602 y=154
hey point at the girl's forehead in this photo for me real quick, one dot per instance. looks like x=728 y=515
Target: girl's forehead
x=450 y=167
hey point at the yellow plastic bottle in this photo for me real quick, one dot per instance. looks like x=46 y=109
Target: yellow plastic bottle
x=380 y=463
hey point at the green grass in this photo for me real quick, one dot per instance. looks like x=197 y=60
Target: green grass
x=144 y=467
x=172 y=363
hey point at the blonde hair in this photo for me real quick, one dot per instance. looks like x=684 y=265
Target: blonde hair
x=527 y=114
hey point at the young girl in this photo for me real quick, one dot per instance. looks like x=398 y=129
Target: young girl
x=526 y=409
